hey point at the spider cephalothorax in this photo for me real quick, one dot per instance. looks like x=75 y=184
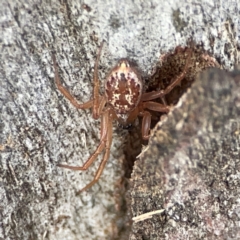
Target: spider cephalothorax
x=124 y=101
x=123 y=89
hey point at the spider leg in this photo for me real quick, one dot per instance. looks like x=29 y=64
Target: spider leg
x=180 y=77
x=156 y=94
x=105 y=157
x=65 y=92
x=103 y=139
x=96 y=85
x=146 y=122
x=154 y=106
x=133 y=115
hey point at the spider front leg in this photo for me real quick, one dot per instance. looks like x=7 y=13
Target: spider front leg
x=65 y=92
x=96 y=85
x=97 y=98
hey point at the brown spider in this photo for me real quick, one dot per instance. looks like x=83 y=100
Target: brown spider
x=124 y=100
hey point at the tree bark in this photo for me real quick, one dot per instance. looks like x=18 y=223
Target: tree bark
x=39 y=128
x=190 y=169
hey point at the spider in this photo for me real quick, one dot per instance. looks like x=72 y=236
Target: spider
x=124 y=101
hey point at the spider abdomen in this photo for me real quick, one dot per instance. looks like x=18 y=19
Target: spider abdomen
x=123 y=89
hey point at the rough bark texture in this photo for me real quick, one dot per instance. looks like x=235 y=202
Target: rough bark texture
x=39 y=128
x=191 y=166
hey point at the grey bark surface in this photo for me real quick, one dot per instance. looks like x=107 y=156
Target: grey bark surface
x=40 y=128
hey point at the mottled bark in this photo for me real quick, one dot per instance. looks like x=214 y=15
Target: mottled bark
x=40 y=128
x=191 y=167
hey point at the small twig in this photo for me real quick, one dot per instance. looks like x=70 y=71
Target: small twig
x=145 y=148
x=147 y=215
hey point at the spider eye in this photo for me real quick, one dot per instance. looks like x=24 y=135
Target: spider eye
x=123 y=64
